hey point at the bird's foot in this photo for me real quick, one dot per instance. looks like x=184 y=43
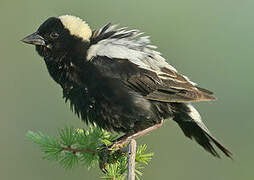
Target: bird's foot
x=103 y=159
x=119 y=146
x=109 y=154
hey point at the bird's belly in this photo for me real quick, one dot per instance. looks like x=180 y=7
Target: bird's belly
x=120 y=114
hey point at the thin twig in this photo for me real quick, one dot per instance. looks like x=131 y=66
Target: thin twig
x=79 y=150
x=131 y=149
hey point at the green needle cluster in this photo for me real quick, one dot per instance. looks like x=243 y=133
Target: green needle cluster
x=87 y=147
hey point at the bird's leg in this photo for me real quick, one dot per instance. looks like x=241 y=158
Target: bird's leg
x=120 y=142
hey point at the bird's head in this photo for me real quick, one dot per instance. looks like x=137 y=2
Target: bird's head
x=60 y=35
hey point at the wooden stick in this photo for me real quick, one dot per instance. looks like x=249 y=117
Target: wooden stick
x=131 y=149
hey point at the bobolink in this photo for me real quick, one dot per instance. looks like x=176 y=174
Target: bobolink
x=114 y=78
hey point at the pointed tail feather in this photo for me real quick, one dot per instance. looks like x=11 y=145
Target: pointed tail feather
x=190 y=122
x=220 y=146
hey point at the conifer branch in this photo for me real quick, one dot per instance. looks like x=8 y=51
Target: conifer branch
x=72 y=147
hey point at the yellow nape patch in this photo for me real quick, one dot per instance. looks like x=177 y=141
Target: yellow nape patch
x=76 y=26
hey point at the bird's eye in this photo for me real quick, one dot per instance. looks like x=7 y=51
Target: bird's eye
x=54 y=35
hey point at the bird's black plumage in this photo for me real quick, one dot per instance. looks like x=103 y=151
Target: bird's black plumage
x=122 y=93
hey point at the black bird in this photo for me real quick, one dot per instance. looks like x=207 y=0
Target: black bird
x=114 y=78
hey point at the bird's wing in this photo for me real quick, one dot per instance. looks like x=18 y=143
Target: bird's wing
x=125 y=55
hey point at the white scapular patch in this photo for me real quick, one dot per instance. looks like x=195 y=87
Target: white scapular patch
x=76 y=26
x=194 y=114
x=134 y=48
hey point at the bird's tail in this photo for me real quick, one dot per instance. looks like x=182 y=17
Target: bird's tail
x=191 y=124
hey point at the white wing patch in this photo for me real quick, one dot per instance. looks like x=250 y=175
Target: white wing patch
x=136 y=49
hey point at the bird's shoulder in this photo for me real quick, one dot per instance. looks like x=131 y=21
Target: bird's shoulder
x=130 y=58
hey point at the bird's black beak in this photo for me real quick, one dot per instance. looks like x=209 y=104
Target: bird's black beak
x=34 y=39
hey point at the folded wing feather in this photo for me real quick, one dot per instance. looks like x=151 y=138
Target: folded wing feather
x=165 y=84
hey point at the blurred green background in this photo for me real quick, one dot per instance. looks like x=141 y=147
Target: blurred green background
x=209 y=41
